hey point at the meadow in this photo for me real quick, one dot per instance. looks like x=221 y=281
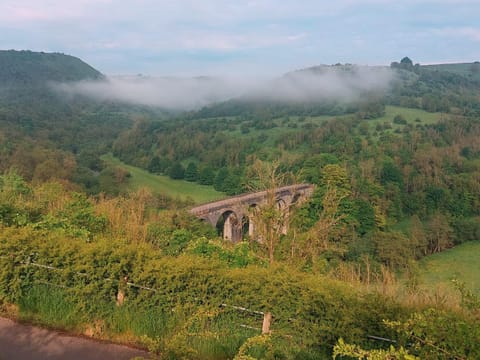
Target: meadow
x=461 y=263
x=161 y=184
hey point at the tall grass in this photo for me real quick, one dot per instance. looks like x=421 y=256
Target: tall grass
x=50 y=304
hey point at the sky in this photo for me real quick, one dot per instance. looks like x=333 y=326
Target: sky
x=242 y=38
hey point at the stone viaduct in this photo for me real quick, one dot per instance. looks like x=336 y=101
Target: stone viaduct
x=232 y=215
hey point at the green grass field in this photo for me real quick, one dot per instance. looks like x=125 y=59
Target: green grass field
x=164 y=185
x=409 y=114
x=461 y=263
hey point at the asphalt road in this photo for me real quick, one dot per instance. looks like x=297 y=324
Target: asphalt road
x=25 y=342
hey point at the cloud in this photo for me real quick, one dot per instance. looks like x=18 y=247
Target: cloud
x=471 y=33
x=168 y=93
x=320 y=83
x=173 y=37
x=344 y=83
x=21 y=11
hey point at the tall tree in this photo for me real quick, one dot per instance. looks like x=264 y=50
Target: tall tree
x=270 y=218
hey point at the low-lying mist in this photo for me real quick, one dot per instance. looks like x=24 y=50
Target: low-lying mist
x=345 y=83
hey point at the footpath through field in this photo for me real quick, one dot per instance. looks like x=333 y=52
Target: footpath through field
x=25 y=342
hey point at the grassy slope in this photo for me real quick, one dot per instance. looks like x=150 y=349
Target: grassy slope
x=461 y=263
x=410 y=115
x=165 y=185
x=390 y=112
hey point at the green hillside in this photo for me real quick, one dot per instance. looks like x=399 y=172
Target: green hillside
x=27 y=68
x=470 y=70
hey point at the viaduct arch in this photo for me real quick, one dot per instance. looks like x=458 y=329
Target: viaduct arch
x=233 y=213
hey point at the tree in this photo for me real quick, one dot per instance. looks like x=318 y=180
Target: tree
x=219 y=182
x=177 y=171
x=418 y=237
x=440 y=234
x=391 y=173
x=392 y=248
x=329 y=218
x=365 y=215
x=233 y=182
x=406 y=61
x=155 y=166
x=191 y=172
x=206 y=175
x=269 y=218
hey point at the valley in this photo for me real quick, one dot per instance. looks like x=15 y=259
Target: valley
x=96 y=233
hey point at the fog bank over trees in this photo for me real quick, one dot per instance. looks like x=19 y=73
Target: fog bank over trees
x=309 y=85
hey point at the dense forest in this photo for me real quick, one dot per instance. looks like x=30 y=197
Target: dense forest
x=396 y=175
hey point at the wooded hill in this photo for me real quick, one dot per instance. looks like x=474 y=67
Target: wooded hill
x=28 y=68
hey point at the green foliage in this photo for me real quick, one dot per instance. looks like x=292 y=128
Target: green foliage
x=259 y=345
x=237 y=256
x=77 y=219
x=400 y=120
x=80 y=212
x=177 y=172
x=365 y=216
x=392 y=248
x=13 y=186
x=206 y=175
x=391 y=173
x=155 y=166
x=353 y=351
x=466 y=229
x=322 y=310
x=14 y=192
x=438 y=334
x=191 y=172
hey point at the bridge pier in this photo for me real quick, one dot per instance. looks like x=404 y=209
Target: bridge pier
x=232 y=228
x=251 y=228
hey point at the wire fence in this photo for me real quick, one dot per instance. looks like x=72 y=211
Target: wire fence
x=29 y=262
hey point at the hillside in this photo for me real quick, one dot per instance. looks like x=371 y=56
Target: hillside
x=28 y=68
x=46 y=134
x=469 y=70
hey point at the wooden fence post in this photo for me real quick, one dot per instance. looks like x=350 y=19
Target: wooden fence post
x=121 y=291
x=267 y=320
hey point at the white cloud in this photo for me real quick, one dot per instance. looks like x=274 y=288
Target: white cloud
x=471 y=33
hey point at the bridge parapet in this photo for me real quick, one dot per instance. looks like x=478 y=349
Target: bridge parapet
x=307 y=189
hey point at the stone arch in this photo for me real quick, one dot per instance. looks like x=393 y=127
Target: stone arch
x=229 y=226
x=296 y=197
x=282 y=204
